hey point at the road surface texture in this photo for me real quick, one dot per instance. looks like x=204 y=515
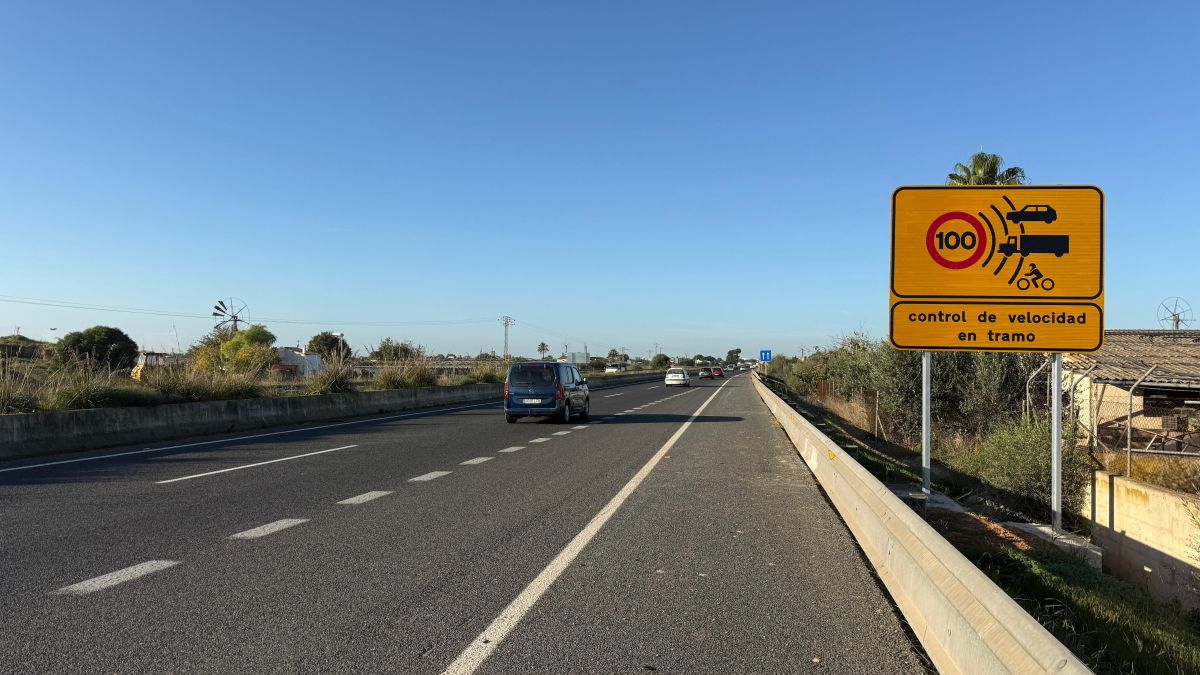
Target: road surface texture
x=674 y=531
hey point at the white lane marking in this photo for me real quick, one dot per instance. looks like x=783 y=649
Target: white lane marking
x=366 y=497
x=242 y=438
x=621 y=414
x=250 y=466
x=561 y=433
x=477 y=652
x=628 y=411
x=538 y=440
x=269 y=528
x=113 y=578
x=654 y=387
x=512 y=449
x=429 y=476
x=581 y=426
x=612 y=395
x=478 y=460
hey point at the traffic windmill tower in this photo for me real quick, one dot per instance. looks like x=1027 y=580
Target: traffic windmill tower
x=230 y=314
x=507 y=321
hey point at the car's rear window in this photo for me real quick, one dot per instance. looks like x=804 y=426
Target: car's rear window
x=528 y=375
x=675 y=371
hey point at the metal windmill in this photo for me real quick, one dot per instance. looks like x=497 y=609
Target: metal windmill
x=230 y=313
x=1174 y=313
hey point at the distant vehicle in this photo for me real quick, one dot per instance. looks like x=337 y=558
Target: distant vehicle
x=614 y=368
x=678 y=377
x=1058 y=244
x=717 y=372
x=545 y=389
x=705 y=374
x=1033 y=212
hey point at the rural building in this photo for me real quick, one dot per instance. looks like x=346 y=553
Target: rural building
x=1157 y=372
x=296 y=361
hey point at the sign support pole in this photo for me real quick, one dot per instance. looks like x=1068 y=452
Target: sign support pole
x=1056 y=438
x=926 y=419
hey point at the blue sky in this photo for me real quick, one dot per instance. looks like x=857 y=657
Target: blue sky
x=700 y=175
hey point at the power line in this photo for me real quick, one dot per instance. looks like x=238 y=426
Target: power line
x=186 y=315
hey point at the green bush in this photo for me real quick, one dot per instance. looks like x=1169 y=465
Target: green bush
x=179 y=385
x=486 y=375
x=419 y=374
x=82 y=388
x=335 y=378
x=454 y=380
x=387 y=378
x=1015 y=458
x=19 y=392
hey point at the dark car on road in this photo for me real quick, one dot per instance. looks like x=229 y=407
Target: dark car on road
x=545 y=389
x=1033 y=212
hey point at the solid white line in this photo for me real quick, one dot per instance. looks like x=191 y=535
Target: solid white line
x=581 y=426
x=478 y=460
x=561 y=433
x=113 y=578
x=366 y=497
x=243 y=438
x=612 y=395
x=429 y=476
x=248 y=466
x=538 y=440
x=512 y=449
x=477 y=652
x=269 y=528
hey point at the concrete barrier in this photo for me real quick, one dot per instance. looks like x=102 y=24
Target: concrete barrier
x=38 y=434
x=964 y=621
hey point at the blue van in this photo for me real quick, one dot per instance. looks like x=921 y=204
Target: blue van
x=545 y=389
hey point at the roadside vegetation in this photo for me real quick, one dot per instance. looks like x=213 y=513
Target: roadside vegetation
x=1113 y=626
x=98 y=367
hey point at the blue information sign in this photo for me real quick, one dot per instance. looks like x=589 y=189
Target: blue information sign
x=764 y=355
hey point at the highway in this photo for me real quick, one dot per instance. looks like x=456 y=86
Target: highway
x=676 y=530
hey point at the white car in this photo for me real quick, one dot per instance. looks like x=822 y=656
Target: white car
x=613 y=369
x=678 y=377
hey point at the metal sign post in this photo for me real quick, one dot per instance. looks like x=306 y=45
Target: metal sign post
x=1056 y=438
x=926 y=419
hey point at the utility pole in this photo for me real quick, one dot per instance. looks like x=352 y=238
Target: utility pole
x=507 y=321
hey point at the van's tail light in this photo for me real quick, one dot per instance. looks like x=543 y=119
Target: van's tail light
x=506 y=390
x=558 y=394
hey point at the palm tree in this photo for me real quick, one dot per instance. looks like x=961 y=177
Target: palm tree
x=984 y=169
x=543 y=348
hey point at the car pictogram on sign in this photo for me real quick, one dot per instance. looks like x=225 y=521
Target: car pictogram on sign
x=1033 y=213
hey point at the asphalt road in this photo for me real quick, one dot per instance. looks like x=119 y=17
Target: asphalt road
x=674 y=531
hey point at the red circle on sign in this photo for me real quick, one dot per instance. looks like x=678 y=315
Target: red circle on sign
x=966 y=218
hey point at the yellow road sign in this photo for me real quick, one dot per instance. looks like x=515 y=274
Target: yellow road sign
x=1034 y=255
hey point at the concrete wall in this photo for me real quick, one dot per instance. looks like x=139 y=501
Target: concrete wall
x=1147 y=534
x=75 y=430
x=964 y=621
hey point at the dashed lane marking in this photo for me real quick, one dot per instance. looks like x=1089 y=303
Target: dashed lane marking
x=612 y=395
x=113 y=578
x=538 y=440
x=512 y=449
x=561 y=433
x=478 y=460
x=250 y=466
x=366 y=497
x=581 y=426
x=269 y=528
x=429 y=476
